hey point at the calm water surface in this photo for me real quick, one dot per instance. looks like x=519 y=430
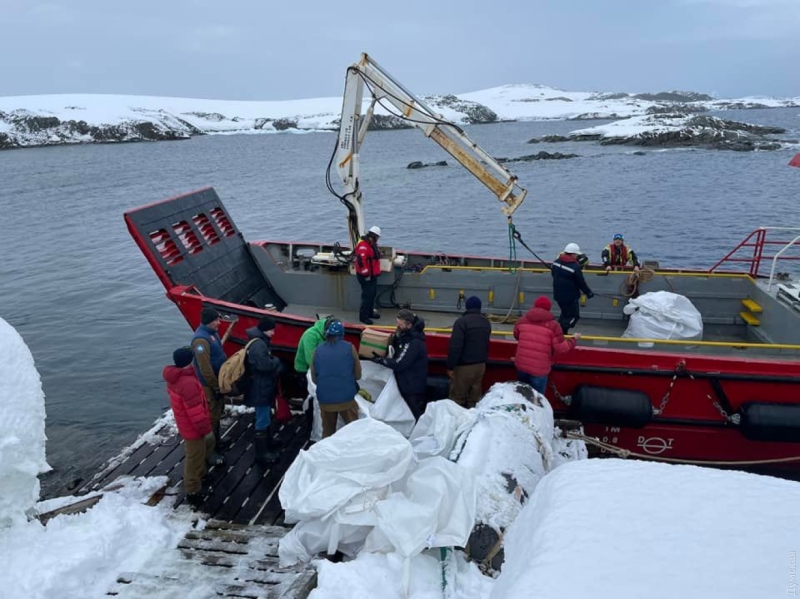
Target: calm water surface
x=96 y=319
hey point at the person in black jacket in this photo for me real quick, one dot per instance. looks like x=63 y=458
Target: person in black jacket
x=263 y=369
x=568 y=283
x=410 y=360
x=467 y=354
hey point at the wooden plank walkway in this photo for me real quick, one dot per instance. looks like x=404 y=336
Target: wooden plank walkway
x=241 y=493
x=222 y=560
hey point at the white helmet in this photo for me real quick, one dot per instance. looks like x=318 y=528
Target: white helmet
x=572 y=248
x=375 y=230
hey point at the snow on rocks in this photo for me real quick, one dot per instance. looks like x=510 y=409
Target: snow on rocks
x=626 y=529
x=83 y=118
x=681 y=130
x=22 y=437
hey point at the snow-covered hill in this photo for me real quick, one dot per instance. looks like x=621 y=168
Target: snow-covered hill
x=84 y=118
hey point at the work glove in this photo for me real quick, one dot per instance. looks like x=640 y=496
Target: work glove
x=377 y=358
x=590 y=295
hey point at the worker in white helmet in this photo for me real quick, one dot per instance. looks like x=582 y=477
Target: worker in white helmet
x=568 y=283
x=368 y=269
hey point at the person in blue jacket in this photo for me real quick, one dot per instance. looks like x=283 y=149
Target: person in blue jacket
x=335 y=368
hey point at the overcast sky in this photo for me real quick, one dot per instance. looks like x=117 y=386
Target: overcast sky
x=262 y=49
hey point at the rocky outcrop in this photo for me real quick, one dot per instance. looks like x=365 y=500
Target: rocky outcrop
x=418 y=164
x=284 y=124
x=474 y=113
x=675 y=96
x=680 y=131
x=537 y=156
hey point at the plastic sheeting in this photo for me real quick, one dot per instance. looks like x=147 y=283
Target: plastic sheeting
x=663 y=315
x=388 y=405
x=365 y=481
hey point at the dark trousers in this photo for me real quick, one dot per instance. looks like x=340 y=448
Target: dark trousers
x=570 y=314
x=368 y=291
x=416 y=403
x=466 y=384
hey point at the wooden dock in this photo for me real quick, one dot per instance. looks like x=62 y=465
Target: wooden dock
x=234 y=554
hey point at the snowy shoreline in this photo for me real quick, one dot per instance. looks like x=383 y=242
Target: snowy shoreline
x=30 y=121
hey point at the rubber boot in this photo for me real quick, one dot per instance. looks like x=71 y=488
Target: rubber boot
x=196 y=500
x=221 y=445
x=265 y=455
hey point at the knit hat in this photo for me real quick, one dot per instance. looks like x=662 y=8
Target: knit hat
x=618 y=236
x=182 y=356
x=208 y=315
x=406 y=315
x=335 y=329
x=266 y=323
x=543 y=303
x=473 y=303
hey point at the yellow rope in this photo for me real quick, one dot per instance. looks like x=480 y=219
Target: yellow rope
x=626 y=453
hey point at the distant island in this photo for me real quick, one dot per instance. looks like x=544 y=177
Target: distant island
x=44 y=120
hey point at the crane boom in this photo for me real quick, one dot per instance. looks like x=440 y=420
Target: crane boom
x=366 y=73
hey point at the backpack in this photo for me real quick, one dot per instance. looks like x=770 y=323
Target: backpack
x=233 y=372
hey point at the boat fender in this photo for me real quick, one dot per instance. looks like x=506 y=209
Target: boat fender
x=608 y=405
x=763 y=421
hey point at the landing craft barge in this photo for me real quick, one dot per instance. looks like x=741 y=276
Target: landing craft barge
x=733 y=396
x=731 y=399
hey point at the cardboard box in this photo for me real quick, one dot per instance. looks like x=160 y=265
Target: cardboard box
x=373 y=340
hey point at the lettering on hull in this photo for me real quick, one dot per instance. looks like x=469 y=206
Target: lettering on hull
x=654 y=445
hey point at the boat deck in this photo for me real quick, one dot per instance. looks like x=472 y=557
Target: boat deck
x=604 y=333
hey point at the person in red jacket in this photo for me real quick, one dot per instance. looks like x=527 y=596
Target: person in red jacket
x=193 y=419
x=368 y=269
x=540 y=341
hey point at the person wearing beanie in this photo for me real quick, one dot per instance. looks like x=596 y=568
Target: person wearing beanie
x=262 y=386
x=309 y=341
x=467 y=354
x=208 y=359
x=335 y=368
x=540 y=341
x=409 y=360
x=568 y=284
x=193 y=419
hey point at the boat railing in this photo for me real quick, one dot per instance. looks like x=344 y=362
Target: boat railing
x=761 y=242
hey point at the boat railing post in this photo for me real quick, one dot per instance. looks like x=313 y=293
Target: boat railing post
x=775 y=260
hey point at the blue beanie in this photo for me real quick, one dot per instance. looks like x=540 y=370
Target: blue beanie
x=335 y=329
x=473 y=303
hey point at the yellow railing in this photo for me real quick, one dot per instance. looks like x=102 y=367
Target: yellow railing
x=628 y=340
x=663 y=273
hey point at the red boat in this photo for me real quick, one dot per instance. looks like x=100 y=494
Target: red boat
x=732 y=399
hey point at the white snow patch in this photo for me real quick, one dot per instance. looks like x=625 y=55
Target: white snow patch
x=613 y=529
x=373 y=575
x=22 y=437
x=81 y=555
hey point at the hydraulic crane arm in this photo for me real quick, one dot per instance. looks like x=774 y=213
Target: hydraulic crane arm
x=386 y=90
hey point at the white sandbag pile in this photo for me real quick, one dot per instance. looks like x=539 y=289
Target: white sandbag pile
x=510 y=447
x=363 y=486
x=369 y=488
x=663 y=315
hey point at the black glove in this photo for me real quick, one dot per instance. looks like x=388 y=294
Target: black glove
x=590 y=295
x=377 y=358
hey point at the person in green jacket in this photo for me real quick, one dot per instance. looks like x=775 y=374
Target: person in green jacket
x=313 y=337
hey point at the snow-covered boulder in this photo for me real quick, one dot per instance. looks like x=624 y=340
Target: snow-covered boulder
x=509 y=449
x=627 y=529
x=22 y=437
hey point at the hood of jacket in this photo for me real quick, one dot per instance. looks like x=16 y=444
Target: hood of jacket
x=256 y=333
x=538 y=316
x=172 y=374
x=568 y=258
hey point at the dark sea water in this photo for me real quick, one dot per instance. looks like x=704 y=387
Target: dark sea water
x=78 y=290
